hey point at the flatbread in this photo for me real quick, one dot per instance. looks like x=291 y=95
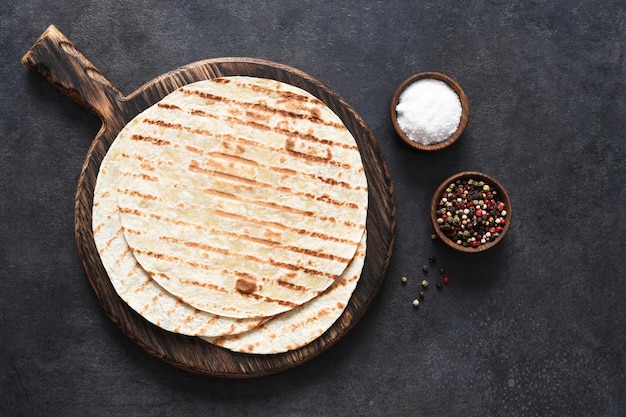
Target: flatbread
x=241 y=196
x=129 y=279
x=304 y=324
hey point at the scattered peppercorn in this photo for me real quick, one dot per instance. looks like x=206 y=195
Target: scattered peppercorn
x=416 y=303
x=424 y=283
x=433 y=236
x=441 y=271
x=421 y=295
x=439 y=285
x=404 y=280
x=425 y=268
x=446 y=280
x=470 y=214
x=432 y=259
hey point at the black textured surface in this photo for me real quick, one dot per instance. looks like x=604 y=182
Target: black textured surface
x=533 y=327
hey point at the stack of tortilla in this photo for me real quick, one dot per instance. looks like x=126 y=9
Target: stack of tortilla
x=234 y=210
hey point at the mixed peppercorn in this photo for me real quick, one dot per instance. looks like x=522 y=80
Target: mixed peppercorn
x=470 y=213
x=445 y=280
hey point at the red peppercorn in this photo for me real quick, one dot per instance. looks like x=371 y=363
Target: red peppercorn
x=446 y=280
x=479 y=212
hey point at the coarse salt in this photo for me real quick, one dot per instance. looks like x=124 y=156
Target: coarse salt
x=429 y=111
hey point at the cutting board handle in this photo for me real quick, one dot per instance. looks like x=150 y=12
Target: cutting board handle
x=56 y=58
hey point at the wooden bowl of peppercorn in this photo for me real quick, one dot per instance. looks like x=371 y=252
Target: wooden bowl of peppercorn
x=470 y=211
x=426 y=112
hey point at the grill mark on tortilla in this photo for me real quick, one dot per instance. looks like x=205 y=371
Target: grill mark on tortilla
x=143 y=196
x=174 y=307
x=134 y=269
x=312 y=138
x=282 y=227
x=289 y=147
x=125 y=210
x=214 y=287
x=157 y=296
x=198 y=112
x=246 y=283
x=142 y=286
x=140 y=158
x=291 y=285
x=195 y=150
x=168 y=106
x=109 y=242
x=170 y=258
x=190 y=317
x=256 y=116
x=123 y=255
x=147 y=166
x=133 y=231
x=98 y=228
x=233 y=158
x=301 y=268
x=150 y=139
x=266 y=242
x=194 y=166
x=287 y=95
x=175 y=126
x=266 y=204
x=143 y=176
x=249 y=123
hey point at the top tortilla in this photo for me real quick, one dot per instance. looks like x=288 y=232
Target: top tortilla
x=241 y=196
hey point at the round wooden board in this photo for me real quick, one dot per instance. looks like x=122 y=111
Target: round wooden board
x=56 y=58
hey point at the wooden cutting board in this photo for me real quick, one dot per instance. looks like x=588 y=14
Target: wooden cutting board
x=57 y=59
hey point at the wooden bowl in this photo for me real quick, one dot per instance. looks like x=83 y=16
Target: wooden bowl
x=501 y=195
x=464 y=111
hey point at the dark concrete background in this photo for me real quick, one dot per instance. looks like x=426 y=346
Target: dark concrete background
x=534 y=327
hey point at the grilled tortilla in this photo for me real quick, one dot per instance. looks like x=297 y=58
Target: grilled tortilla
x=129 y=279
x=243 y=197
x=304 y=324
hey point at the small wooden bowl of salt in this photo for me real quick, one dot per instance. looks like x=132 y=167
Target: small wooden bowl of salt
x=429 y=111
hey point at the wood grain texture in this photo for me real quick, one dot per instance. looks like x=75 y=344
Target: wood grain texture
x=60 y=62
